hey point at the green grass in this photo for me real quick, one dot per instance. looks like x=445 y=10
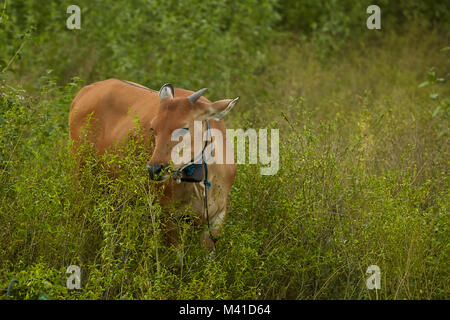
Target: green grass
x=363 y=180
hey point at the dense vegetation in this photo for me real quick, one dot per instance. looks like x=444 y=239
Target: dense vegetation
x=364 y=153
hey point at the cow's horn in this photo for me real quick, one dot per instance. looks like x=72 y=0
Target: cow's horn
x=196 y=95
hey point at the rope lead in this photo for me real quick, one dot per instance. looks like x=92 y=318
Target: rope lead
x=207 y=185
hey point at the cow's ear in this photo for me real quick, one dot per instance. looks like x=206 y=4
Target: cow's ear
x=219 y=109
x=166 y=91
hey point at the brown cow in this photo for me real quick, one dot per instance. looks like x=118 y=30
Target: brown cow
x=115 y=104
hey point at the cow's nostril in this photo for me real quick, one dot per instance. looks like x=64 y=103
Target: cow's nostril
x=154 y=171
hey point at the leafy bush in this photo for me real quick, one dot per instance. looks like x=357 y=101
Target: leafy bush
x=333 y=23
x=144 y=41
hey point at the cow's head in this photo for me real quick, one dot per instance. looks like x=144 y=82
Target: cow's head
x=177 y=115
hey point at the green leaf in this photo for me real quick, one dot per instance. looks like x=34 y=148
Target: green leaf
x=431 y=76
x=424 y=84
x=436 y=111
x=434 y=96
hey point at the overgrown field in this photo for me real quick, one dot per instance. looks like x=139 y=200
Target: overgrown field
x=364 y=156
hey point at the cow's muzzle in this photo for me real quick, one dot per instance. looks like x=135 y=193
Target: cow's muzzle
x=156 y=172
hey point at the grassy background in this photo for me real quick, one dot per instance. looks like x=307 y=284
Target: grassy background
x=364 y=154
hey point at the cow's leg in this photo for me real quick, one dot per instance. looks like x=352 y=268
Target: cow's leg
x=216 y=221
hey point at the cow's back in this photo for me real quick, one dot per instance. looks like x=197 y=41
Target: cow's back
x=112 y=107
